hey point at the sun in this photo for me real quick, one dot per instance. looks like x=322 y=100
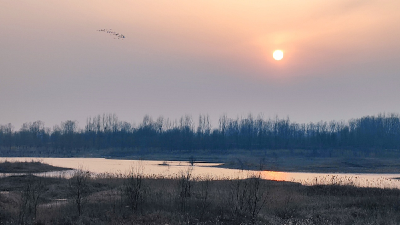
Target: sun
x=278 y=54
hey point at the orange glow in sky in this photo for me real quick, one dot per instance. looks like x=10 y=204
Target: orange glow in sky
x=318 y=35
x=199 y=56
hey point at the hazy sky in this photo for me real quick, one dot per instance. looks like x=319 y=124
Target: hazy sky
x=341 y=59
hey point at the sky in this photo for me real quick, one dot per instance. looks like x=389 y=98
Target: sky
x=179 y=57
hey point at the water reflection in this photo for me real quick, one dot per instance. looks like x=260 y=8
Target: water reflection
x=175 y=168
x=274 y=175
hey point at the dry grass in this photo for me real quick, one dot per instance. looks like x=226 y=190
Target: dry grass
x=183 y=199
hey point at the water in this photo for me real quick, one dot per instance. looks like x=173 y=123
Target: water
x=202 y=170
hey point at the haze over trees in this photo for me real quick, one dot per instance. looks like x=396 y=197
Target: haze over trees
x=366 y=134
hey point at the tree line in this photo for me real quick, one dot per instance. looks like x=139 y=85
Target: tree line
x=249 y=133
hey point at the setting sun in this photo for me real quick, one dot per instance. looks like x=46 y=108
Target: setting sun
x=278 y=55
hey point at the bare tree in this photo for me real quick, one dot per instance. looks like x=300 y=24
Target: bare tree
x=31 y=194
x=185 y=186
x=78 y=186
x=204 y=195
x=134 y=189
x=248 y=196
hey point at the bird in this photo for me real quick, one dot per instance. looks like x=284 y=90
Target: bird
x=111 y=32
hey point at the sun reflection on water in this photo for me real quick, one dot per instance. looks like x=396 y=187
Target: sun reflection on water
x=274 y=175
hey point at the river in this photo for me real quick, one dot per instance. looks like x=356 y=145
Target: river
x=210 y=170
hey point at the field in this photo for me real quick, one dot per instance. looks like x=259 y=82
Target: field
x=182 y=199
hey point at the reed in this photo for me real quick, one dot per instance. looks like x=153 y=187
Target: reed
x=133 y=198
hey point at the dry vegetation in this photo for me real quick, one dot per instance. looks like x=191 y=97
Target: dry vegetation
x=28 y=167
x=136 y=199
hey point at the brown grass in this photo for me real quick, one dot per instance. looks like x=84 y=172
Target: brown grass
x=183 y=199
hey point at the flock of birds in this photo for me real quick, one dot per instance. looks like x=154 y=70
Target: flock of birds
x=111 y=32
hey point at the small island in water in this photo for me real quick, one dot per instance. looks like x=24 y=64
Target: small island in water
x=28 y=167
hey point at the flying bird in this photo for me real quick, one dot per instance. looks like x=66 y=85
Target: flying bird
x=113 y=33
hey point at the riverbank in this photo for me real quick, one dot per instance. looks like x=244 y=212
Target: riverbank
x=185 y=199
x=316 y=164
